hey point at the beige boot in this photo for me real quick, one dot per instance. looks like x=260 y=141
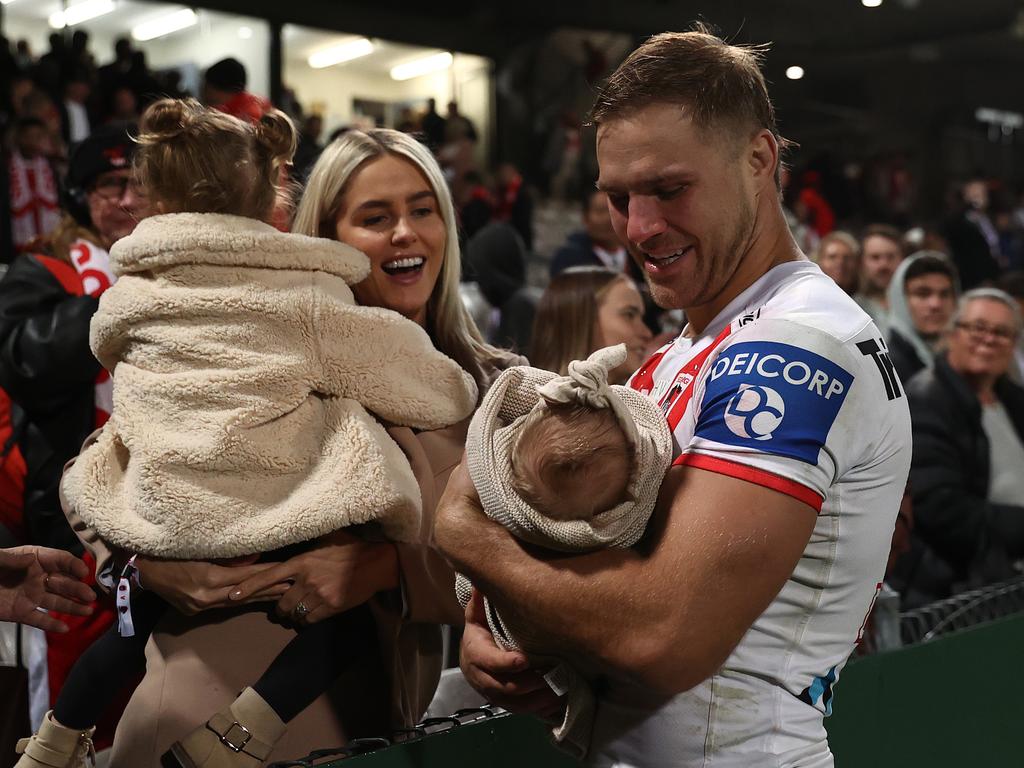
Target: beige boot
x=241 y=736
x=56 y=746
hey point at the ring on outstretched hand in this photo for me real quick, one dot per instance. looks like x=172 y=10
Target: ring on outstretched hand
x=300 y=610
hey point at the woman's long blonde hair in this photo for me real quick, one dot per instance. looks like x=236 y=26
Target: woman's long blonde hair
x=448 y=323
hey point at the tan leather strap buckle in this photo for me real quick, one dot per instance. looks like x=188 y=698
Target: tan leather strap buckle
x=237 y=737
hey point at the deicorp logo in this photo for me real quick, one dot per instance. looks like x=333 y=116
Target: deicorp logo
x=755 y=412
x=774 y=397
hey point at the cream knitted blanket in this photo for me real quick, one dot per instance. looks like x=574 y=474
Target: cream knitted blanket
x=491 y=441
x=243 y=372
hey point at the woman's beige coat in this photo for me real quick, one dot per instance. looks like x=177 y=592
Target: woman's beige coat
x=197 y=665
x=243 y=372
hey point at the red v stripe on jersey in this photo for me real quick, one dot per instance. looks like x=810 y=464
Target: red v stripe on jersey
x=690 y=370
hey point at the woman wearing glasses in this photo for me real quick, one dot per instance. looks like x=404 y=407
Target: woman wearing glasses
x=967 y=476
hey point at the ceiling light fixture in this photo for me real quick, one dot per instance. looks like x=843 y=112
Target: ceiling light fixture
x=339 y=54
x=80 y=12
x=794 y=73
x=424 y=66
x=871 y=3
x=165 y=25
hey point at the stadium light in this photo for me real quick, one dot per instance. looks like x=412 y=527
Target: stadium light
x=340 y=53
x=165 y=25
x=424 y=66
x=80 y=12
x=794 y=73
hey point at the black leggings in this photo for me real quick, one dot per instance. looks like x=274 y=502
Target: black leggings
x=300 y=673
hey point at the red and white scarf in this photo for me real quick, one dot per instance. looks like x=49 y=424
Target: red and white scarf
x=35 y=208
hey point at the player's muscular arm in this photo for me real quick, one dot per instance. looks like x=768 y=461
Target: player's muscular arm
x=666 y=614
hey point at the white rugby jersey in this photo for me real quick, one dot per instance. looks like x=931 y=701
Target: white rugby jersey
x=790 y=387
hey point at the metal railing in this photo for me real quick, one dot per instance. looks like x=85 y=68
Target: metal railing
x=962 y=611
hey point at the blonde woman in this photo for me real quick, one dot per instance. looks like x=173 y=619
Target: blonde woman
x=383 y=194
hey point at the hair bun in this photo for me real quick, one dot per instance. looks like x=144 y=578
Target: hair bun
x=168 y=119
x=275 y=134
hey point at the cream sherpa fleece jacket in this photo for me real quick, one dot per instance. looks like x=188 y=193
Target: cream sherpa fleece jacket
x=243 y=372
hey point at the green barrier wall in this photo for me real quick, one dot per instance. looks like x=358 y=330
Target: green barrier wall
x=952 y=703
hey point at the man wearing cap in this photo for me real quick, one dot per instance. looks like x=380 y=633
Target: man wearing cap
x=722 y=634
x=58 y=392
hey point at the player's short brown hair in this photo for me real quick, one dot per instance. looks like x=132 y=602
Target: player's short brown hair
x=721 y=84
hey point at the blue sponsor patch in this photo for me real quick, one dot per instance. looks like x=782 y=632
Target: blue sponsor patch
x=772 y=397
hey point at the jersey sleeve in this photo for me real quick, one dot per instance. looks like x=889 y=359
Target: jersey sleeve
x=778 y=406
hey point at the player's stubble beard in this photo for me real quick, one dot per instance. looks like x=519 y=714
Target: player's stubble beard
x=713 y=268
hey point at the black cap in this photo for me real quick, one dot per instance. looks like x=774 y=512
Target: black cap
x=227 y=75
x=109 y=148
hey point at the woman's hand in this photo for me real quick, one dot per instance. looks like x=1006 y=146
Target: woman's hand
x=34 y=580
x=339 y=573
x=193 y=586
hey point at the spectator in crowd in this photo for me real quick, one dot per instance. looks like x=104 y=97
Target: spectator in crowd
x=79 y=57
x=37 y=580
x=838 y=255
x=309 y=147
x=596 y=245
x=52 y=65
x=124 y=105
x=171 y=84
x=224 y=88
x=21 y=86
x=806 y=238
x=115 y=75
x=433 y=126
x=514 y=203
x=476 y=205
x=967 y=479
x=34 y=200
x=496 y=259
x=76 y=124
x=146 y=86
x=881 y=254
x=812 y=205
x=922 y=296
x=973 y=238
x=1013 y=284
x=23 y=54
x=584 y=309
x=458 y=127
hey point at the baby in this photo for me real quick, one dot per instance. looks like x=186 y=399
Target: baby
x=572 y=464
x=243 y=375
x=572 y=461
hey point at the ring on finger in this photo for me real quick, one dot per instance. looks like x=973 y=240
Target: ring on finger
x=300 y=610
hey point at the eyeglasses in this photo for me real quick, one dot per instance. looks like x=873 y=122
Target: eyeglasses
x=113 y=188
x=980 y=330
